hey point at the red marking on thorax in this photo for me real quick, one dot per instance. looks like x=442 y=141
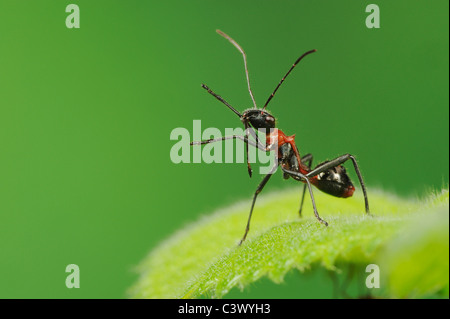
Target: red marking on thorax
x=283 y=139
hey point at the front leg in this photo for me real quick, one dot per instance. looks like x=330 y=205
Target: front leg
x=336 y=162
x=242 y=138
x=249 y=129
x=258 y=190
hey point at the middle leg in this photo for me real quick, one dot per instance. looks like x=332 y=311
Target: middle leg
x=308 y=183
x=307 y=160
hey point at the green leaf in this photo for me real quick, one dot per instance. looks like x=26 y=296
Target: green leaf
x=407 y=238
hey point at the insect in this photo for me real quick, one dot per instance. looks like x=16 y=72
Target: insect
x=330 y=176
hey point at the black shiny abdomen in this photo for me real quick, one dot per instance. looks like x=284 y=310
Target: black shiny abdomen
x=334 y=181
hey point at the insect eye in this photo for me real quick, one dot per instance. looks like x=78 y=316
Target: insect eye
x=270 y=119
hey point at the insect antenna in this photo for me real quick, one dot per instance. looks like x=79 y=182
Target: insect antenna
x=221 y=100
x=226 y=36
x=284 y=77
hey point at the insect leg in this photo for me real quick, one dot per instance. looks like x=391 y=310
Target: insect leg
x=337 y=161
x=242 y=138
x=307 y=159
x=249 y=168
x=258 y=190
x=308 y=183
x=249 y=129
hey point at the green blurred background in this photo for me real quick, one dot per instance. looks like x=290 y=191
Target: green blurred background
x=86 y=114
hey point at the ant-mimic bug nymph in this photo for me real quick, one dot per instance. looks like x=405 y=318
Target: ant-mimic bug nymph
x=330 y=176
